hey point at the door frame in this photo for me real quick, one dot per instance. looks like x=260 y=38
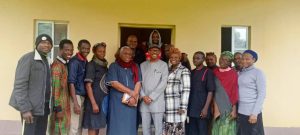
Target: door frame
x=152 y=26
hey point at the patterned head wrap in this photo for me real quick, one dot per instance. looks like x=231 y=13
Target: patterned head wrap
x=228 y=54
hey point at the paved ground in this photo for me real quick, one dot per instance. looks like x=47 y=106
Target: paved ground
x=14 y=128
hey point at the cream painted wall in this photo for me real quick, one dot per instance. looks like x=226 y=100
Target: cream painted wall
x=274 y=34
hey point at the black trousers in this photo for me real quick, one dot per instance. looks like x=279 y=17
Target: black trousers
x=246 y=128
x=197 y=126
x=39 y=125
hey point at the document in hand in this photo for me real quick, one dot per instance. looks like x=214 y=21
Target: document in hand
x=125 y=99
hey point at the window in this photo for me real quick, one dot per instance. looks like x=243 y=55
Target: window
x=57 y=30
x=235 y=38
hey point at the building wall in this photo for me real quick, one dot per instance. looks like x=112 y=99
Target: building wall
x=274 y=35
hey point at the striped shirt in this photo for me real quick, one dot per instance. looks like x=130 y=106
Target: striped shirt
x=177 y=94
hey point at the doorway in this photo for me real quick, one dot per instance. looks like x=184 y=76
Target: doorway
x=143 y=31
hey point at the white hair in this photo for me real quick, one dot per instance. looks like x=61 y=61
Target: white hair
x=123 y=48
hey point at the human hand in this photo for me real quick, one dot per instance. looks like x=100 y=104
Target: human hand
x=233 y=114
x=95 y=108
x=77 y=109
x=132 y=102
x=252 y=119
x=203 y=113
x=147 y=100
x=59 y=115
x=27 y=116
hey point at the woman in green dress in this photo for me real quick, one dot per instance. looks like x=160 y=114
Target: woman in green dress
x=226 y=97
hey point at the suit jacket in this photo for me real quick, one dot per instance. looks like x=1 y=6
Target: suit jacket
x=155 y=76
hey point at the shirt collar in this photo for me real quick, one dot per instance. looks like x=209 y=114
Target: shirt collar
x=62 y=60
x=178 y=66
x=225 y=70
x=80 y=57
x=200 y=68
x=37 y=55
x=248 y=68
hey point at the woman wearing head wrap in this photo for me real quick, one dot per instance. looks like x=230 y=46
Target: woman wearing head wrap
x=124 y=77
x=252 y=92
x=226 y=97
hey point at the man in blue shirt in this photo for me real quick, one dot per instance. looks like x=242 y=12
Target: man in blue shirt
x=76 y=77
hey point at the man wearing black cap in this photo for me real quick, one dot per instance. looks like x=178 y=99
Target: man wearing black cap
x=32 y=88
x=155 y=76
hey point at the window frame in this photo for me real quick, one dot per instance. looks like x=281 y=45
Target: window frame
x=52 y=22
x=233 y=47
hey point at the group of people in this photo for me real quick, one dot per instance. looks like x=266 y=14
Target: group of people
x=157 y=83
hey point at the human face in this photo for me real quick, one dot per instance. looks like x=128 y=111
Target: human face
x=126 y=54
x=67 y=51
x=210 y=61
x=198 y=59
x=100 y=52
x=237 y=60
x=84 y=49
x=247 y=60
x=154 y=53
x=44 y=47
x=155 y=38
x=167 y=49
x=184 y=57
x=132 y=42
x=174 y=59
x=224 y=62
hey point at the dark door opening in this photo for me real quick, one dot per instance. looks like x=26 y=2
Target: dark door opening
x=144 y=33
